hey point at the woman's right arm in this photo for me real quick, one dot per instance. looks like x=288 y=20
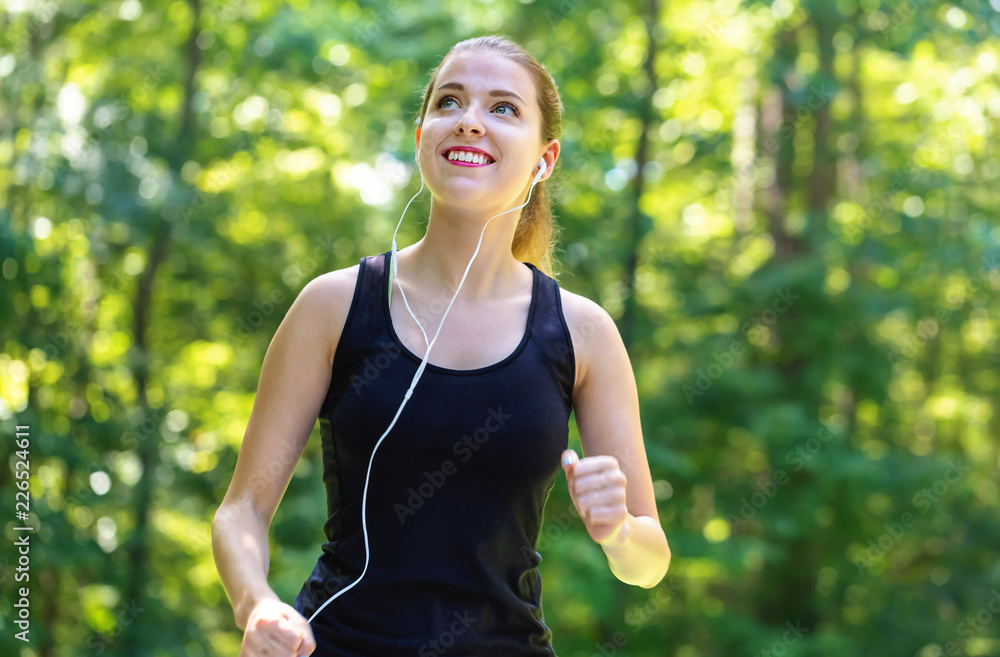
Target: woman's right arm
x=294 y=380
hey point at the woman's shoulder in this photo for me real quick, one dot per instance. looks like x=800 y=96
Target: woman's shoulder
x=587 y=322
x=327 y=300
x=336 y=281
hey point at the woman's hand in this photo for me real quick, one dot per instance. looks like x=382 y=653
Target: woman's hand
x=597 y=488
x=276 y=629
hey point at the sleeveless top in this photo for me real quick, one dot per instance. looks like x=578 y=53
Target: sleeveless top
x=457 y=490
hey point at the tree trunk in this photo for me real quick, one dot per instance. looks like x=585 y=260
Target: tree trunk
x=134 y=636
x=639 y=223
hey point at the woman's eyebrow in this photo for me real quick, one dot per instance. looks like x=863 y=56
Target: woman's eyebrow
x=495 y=92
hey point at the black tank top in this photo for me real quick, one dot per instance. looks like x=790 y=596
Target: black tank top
x=457 y=489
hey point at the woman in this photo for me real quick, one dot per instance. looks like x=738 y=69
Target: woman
x=432 y=535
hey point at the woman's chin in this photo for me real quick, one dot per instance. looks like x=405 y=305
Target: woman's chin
x=457 y=191
x=471 y=199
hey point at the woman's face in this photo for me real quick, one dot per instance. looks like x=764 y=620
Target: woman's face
x=505 y=126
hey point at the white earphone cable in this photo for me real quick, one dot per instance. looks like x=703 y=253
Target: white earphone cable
x=420 y=369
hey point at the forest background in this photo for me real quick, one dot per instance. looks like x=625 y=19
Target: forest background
x=789 y=208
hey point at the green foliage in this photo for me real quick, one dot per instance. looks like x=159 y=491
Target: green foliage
x=794 y=222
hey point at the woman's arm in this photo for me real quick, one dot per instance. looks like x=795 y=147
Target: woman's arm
x=616 y=486
x=242 y=556
x=294 y=380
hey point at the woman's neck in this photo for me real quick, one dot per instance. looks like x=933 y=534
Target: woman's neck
x=440 y=264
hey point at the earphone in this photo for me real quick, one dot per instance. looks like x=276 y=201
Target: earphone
x=423 y=364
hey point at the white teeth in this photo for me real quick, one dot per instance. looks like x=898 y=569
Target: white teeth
x=464 y=156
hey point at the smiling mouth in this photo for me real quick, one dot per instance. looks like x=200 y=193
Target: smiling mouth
x=466 y=164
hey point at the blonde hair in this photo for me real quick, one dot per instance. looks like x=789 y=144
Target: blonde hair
x=535 y=236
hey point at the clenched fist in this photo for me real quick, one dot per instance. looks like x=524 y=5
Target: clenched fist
x=276 y=629
x=597 y=488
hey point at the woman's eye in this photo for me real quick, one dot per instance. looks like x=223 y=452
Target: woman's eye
x=447 y=99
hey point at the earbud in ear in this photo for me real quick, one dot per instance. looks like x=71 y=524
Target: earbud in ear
x=541 y=172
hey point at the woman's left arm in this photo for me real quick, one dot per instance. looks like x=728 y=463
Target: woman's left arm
x=611 y=486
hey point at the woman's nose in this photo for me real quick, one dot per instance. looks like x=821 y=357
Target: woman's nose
x=470 y=121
